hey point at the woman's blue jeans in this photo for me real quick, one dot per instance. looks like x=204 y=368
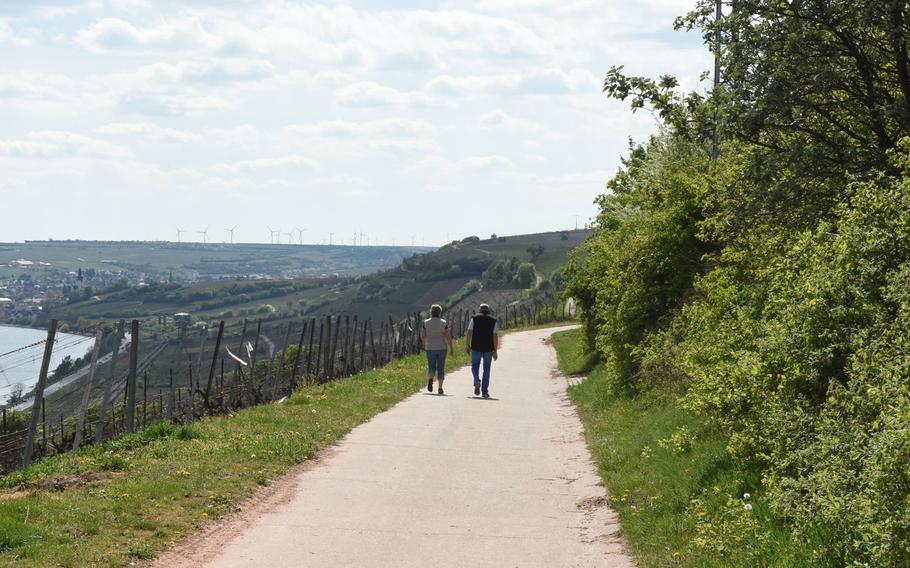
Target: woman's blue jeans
x=487 y=358
x=436 y=363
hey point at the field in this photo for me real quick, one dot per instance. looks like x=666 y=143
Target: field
x=191 y=261
x=412 y=284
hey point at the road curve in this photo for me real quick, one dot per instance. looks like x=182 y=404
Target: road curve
x=442 y=481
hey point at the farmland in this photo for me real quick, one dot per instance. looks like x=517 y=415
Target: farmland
x=197 y=261
x=454 y=275
x=410 y=285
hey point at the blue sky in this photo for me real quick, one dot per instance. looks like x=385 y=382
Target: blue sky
x=123 y=119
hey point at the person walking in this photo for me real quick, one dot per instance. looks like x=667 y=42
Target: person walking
x=483 y=346
x=436 y=337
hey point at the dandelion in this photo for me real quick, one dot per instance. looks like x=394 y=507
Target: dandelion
x=746 y=496
x=748 y=506
x=313 y=411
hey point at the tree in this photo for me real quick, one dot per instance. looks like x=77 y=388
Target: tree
x=525 y=276
x=817 y=94
x=64 y=367
x=15 y=394
x=535 y=251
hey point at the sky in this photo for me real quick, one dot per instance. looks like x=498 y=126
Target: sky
x=405 y=121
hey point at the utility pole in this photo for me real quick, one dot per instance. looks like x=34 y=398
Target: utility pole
x=715 y=147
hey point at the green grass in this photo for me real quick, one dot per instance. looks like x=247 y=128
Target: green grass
x=164 y=483
x=678 y=495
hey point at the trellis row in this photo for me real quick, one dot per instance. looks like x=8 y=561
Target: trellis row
x=343 y=346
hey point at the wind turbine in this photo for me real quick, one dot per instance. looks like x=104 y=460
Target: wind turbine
x=300 y=234
x=179 y=232
x=290 y=237
x=205 y=235
x=330 y=238
x=272 y=233
x=231 y=231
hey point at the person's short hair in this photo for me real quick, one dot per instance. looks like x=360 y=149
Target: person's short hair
x=485 y=309
x=435 y=310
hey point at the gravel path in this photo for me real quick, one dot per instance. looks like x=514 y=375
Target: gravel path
x=439 y=481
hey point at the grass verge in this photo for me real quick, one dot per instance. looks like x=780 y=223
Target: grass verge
x=149 y=490
x=679 y=497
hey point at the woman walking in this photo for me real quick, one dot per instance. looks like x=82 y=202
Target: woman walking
x=436 y=337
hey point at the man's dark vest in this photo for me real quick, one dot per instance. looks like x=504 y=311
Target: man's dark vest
x=482 y=338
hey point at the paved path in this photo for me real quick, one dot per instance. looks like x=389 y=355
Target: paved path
x=447 y=481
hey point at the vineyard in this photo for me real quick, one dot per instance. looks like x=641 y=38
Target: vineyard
x=266 y=363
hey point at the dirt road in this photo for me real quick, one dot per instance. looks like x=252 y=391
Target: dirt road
x=440 y=481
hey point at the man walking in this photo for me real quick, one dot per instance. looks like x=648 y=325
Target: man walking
x=482 y=345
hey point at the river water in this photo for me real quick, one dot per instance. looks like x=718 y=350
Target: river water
x=25 y=365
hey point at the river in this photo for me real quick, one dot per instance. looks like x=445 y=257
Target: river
x=25 y=365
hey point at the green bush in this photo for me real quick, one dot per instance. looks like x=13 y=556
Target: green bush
x=789 y=335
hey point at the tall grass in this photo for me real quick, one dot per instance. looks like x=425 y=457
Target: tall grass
x=670 y=478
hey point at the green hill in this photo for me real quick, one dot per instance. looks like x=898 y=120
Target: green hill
x=412 y=285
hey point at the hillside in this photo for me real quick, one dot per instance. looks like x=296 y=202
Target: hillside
x=196 y=261
x=414 y=283
x=452 y=275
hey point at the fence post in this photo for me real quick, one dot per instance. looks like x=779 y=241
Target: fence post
x=253 y=362
x=171 y=397
x=328 y=345
x=83 y=409
x=309 y=350
x=39 y=394
x=347 y=342
x=145 y=398
x=191 y=396
x=334 y=349
x=372 y=346
x=108 y=386
x=351 y=363
x=241 y=352
x=293 y=383
x=208 y=384
x=317 y=368
x=131 y=378
x=363 y=344
x=276 y=384
x=44 y=426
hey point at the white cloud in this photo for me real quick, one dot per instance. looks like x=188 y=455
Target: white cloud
x=8 y=34
x=483 y=163
x=59 y=143
x=534 y=82
x=499 y=119
x=348 y=137
x=242 y=136
x=292 y=162
x=113 y=34
x=370 y=94
x=146 y=132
